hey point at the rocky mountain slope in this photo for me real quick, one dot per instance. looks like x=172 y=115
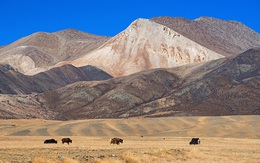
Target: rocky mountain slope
x=40 y=50
x=225 y=37
x=219 y=87
x=14 y=82
x=146 y=45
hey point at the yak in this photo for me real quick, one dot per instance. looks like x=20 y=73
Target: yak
x=195 y=141
x=66 y=140
x=116 y=141
x=50 y=141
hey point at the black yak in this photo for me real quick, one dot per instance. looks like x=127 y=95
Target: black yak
x=195 y=141
x=50 y=141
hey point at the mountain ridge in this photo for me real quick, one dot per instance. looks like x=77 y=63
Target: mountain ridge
x=14 y=82
x=40 y=50
x=158 y=67
x=213 y=88
x=145 y=45
x=225 y=37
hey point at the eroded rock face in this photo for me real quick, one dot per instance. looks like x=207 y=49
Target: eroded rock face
x=146 y=45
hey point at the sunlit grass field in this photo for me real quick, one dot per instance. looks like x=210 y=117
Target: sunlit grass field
x=223 y=139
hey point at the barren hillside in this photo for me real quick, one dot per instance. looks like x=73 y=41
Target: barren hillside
x=146 y=45
x=225 y=37
x=14 y=82
x=38 y=51
x=223 y=87
x=219 y=87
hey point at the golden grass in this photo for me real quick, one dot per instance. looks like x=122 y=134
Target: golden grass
x=223 y=139
x=58 y=160
x=133 y=150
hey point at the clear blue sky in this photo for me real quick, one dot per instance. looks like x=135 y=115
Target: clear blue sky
x=21 y=18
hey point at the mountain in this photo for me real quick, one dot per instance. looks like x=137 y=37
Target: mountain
x=227 y=86
x=159 y=67
x=14 y=82
x=222 y=87
x=231 y=87
x=145 y=45
x=161 y=42
x=224 y=37
x=36 y=52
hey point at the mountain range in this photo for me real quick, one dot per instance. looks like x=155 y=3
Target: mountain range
x=159 y=67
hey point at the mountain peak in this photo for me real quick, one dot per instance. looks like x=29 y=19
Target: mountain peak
x=144 y=45
x=72 y=34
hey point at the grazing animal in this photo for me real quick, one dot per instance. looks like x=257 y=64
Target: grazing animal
x=50 y=141
x=195 y=141
x=116 y=141
x=66 y=140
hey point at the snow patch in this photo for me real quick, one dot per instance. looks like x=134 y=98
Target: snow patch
x=22 y=47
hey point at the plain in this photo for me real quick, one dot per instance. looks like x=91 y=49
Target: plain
x=223 y=139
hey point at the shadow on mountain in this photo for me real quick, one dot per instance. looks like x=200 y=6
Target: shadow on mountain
x=13 y=82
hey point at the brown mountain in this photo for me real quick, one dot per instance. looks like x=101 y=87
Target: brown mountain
x=219 y=87
x=14 y=82
x=38 y=51
x=230 y=87
x=224 y=37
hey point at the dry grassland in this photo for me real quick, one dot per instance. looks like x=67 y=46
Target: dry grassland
x=223 y=139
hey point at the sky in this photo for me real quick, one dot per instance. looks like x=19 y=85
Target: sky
x=20 y=18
